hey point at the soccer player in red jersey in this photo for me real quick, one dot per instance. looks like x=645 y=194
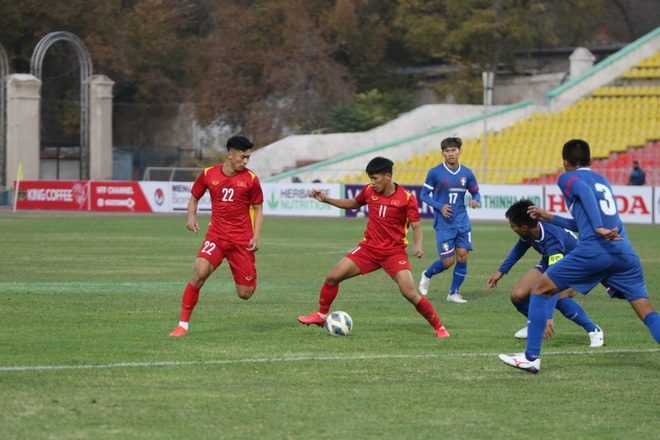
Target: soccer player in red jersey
x=236 y=220
x=392 y=209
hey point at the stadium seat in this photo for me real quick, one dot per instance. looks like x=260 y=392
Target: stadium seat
x=614 y=119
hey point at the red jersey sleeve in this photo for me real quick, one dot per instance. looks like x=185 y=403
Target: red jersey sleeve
x=361 y=197
x=413 y=207
x=199 y=187
x=257 y=192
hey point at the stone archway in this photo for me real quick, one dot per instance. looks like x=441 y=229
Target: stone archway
x=85 y=77
x=4 y=70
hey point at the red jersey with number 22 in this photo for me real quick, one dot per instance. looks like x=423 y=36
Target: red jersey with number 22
x=232 y=197
x=389 y=218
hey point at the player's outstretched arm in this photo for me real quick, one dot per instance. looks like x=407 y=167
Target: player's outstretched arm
x=318 y=195
x=609 y=234
x=322 y=197
x=538 y=213
x=492 y=280
x=425 y=196
x=192 y=224
x=258 y=222
x=549 y=329
x=418 y=238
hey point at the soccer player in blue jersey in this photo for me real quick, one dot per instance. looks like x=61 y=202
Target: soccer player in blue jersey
x=553 y=243
x=603 y=253
x=444 y=190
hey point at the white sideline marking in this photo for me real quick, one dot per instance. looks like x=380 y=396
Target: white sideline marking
x=292 y=359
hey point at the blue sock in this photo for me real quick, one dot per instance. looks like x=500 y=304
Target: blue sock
x=552 y=303
x=573 y=310
x=522 y=307
x=538 y=314
x=434 y=269
x=652 y=321
x=460 y=270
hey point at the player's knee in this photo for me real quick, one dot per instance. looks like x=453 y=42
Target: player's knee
x=245 y=293
x=197 y=281
x=331 y=280
x=412 y=296
x=518 y=295
x=448 y=262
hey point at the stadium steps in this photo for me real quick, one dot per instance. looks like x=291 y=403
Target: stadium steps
x=613 y=119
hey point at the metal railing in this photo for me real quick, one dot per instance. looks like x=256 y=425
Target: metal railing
x=171 y=174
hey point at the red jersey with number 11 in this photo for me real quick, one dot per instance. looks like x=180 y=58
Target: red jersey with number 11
x=232 y=197
x=389 y=217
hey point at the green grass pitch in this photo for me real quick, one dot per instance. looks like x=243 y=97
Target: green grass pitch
x=87 y=302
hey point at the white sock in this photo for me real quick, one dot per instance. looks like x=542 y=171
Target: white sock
x=183 y=324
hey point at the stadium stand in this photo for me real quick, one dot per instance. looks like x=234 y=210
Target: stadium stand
x=613 y=105
x=621 y=123
x=618 y=166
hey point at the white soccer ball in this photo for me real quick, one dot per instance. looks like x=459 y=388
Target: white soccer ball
x=338 y=323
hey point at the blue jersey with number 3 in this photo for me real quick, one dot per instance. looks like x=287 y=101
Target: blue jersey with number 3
x=591 y=202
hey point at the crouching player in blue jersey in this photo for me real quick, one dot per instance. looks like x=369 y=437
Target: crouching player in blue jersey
x=444 y=190
x=553 y=243
x=603 y=253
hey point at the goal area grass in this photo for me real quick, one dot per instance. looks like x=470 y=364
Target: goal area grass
x=88 y=301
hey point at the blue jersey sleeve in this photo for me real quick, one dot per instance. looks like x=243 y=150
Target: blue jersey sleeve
x=582 y=191
x=427 y=188
x=426 y=198
x=517 y=252
x=564 y=222
x=473 y=188
x=552 y=303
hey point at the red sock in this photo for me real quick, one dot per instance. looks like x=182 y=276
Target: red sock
x=425 y=308
x=328 y=295
x=190 y=297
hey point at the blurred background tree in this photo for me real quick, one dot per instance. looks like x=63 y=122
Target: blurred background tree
x=271 y=68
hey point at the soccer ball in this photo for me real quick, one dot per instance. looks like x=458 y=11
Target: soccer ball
x=338 y=323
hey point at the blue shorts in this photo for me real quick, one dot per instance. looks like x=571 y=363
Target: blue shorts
x=447 y=240
x=621 y=273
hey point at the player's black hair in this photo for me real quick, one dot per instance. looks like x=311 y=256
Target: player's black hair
x=517 y=214
x=577 y=153
x=379 y=165
x=240 y=143
x=451 y=142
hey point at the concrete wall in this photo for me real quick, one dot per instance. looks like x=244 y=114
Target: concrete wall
x=404 y=148
x=604 y=72
x=100 y=133
x=23 y=122
x=23 y=115
x=286 y=153
x=534 y=88
x=339 y=154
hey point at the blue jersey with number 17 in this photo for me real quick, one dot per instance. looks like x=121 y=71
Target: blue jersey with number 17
x=591 y=202
x=449 y=187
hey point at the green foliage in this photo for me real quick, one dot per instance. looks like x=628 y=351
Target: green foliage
x=370 y=109
x=88 y=301
x=266 y=65
x=214 y=158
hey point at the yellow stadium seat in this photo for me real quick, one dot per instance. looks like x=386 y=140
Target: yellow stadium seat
x=611 y=119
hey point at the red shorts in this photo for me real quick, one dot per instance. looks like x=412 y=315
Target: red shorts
x=370 y=259
x=241 y=261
